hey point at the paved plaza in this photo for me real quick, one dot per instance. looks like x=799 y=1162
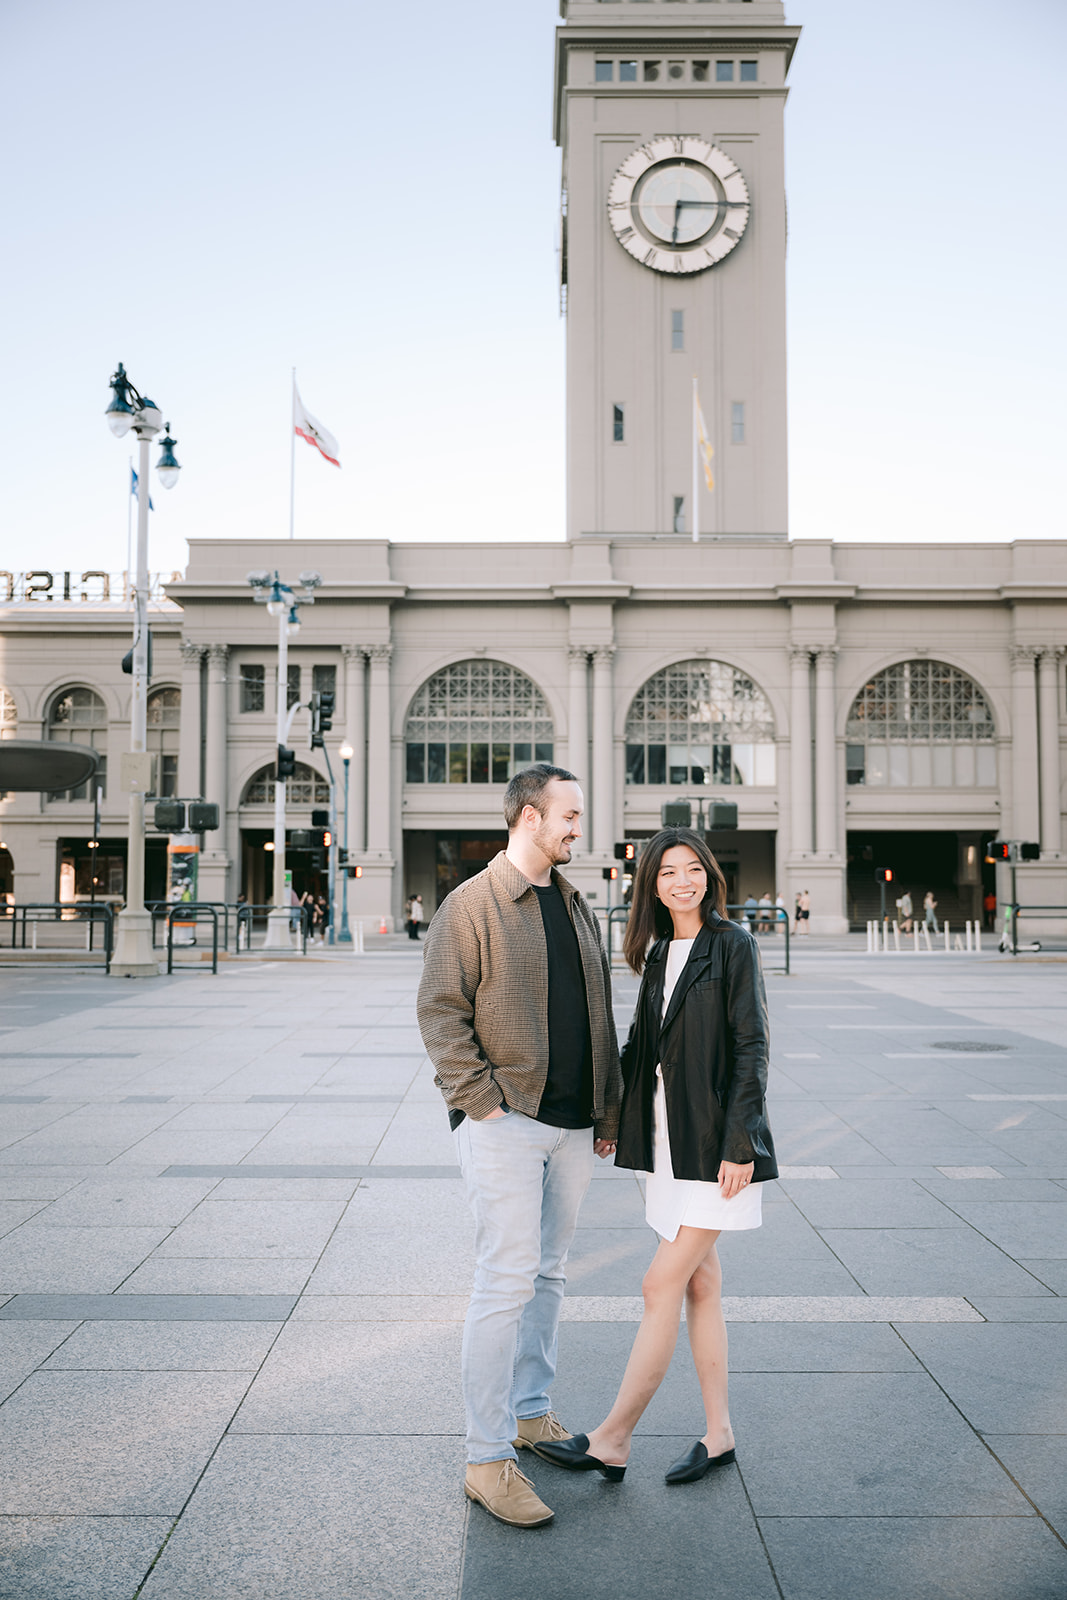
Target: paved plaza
x=234 y=1264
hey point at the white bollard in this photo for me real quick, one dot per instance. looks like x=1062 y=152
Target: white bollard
x=967 y=941
x=896 y=938
x=978 y=938
x=926 y=939
x=870 y=937
x=915 y=931
x=948 y=946
x=34 y=926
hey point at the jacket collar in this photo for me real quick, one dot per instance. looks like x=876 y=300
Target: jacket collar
x=515 y=885
x=695 y=967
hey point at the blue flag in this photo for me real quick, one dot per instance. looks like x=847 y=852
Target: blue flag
x=133 y=489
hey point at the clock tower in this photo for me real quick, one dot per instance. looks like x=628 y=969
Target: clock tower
x=669 y=114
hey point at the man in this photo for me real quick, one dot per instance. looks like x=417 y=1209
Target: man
x=907 y=911
x=515 y=1012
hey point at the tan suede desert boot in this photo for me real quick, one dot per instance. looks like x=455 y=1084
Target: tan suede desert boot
x=506 y=1493
x=532 y=1431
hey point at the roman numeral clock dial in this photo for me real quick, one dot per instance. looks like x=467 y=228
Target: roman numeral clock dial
x=678 y=205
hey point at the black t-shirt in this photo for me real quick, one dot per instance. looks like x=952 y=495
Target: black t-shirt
x=567 y=1100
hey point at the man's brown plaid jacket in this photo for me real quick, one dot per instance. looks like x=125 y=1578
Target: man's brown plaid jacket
x=483 y=999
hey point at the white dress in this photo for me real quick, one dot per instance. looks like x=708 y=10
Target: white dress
x=671 y=1201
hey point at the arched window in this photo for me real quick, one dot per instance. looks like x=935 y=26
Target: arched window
x=921 y=724
x=9 y=716
x=79 y=716
x=164 y=716
x=476 y=722
x=305 y=788
x=700 y=723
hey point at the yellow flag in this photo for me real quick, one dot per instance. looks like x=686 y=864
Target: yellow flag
x=704 y=446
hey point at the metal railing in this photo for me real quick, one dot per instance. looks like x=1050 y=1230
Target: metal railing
x=1042 y=914
x=35 y=914
x=759 y=921
x=194 y=911
x=248 y=916
x=238 y=919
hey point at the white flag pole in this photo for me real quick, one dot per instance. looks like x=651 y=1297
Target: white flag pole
x=696 y=464
x=292 y=458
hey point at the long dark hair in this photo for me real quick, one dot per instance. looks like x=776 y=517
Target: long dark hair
x=649 y=917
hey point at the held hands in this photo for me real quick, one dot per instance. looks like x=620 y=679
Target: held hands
x=603 y=1148
x=733 y=1179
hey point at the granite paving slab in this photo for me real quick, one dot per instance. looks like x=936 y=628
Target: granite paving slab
x=1020 y=1227
x=350 y=1518
x=111 y=1443
x=77 y=1557
x=901 y=1558
x=926 y=1261
x=51 y=1260
x=845 y=1444
x=613 y=1540
x=887 y=1202
x=221 y=1275
x=24 y=1346
x=254 y=1229
x=1038 y=1463
x=159 y=1346
x=1004 y=1378
x=368 y=1378
x=106 y=1202
x=148 y=1307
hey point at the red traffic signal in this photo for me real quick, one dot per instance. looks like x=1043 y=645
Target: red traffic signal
x=610 y=872
x=883 y=874
x=327 y=838
x=626 y=851
x=1000 y=850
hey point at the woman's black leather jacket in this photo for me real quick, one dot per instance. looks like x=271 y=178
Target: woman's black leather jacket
x=712 y=1045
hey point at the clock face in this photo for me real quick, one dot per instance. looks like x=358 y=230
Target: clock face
x=678 y=205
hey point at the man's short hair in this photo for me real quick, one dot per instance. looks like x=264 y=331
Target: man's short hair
x=527 y=788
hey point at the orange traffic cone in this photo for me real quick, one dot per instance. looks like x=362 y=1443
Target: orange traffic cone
x=382 y=927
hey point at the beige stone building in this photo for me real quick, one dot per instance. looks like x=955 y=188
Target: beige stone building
x=864 y=705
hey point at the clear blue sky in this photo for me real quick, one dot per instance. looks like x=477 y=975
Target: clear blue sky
x=215 y=192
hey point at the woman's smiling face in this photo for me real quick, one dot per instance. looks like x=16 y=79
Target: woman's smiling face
x=682 y=881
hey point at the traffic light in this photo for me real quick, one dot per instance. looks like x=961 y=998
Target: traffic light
x=327 y=701
x=315 y=740
x=722 y=814
x=1029 y=852
x=309 y=839
x=1000 y=850
x=286 y=764
x=170 y=816
x=676 y=814
x=203 y=816
x=127 y=660
x=626 y=851
x=883 y=874
x=610 y=872
x=327 y=838
x=320 y=819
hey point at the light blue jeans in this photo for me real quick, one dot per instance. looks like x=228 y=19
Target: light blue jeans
x=525 y=1182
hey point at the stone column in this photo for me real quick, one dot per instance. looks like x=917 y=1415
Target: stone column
x=189 y=724
x=356 y=735
x=214 y=861
x=215 y=775
x=825 y=753
x=603 y=808
x=578 y=728
x=379 y=803
x=800 y=752
x=1048 y=713
x=1024 y=767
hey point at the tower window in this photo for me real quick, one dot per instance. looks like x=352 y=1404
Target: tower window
x=627 y=71
x=618 y=421
x=737 y=422
x=749 y=73
x=700 y=71
x=652 y=70
x=724 y=72
x=679 y=513
x=605 y=71
x=677 y=330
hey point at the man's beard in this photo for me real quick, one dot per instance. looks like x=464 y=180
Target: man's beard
x=556 y=850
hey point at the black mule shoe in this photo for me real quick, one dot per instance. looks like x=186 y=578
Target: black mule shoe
x=574 y=1454
x=696 y=1461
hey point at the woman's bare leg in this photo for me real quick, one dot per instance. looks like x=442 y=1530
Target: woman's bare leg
x=664 y=1288
x=707 y=1341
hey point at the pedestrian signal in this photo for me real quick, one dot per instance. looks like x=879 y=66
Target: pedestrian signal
x=610 y=872
x=883 y=875
x=1029 y=852
x=626 y=851
x=1000 y=850
x=676 y=814
x=722 y=814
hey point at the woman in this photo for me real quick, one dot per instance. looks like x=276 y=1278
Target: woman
x=693 y=1118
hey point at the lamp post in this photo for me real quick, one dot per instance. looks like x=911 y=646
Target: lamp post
x=134 y=956
x=282 y=602
x=345 y=934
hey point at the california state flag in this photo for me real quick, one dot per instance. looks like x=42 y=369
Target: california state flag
x=308 y=428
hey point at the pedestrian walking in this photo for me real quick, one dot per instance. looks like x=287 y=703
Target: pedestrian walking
x=781 y=915
x=930 y=911
x=694 y=1119
x=515 y=1011
x=766 y=906
x=796 y=915
x=748 y=914
x=907 y=911
x=805 y=911
x=414 y=916
x=989 y=907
